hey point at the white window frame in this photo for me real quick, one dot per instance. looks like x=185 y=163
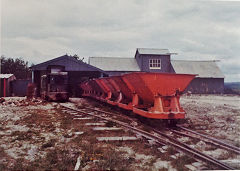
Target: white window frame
x=155 y=63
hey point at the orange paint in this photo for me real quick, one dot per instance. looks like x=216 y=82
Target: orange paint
x=152 y=95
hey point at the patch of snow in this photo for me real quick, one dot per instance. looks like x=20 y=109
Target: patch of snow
x=159 y=164
x=215 y=153
x=127 y=149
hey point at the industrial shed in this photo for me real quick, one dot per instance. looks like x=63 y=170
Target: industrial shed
x=115 y=65
x=6 y=84
x=78 y=71
x=209 y=77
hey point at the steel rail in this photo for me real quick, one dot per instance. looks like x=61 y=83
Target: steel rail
x=196 y=152
x=214 y=140
x=220 y=143
x=205 y=140
x=171 y=141
x=109 y=113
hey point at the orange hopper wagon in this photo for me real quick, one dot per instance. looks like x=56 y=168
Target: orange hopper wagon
x=157 y=94
x=151 y=95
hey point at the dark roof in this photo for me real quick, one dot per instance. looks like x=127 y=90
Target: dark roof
x=70 y=63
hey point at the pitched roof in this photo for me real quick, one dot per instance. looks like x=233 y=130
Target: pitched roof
x=204 y=69
x=6 y=75
x=70 y=63
x=148 y=51
x=114 y=63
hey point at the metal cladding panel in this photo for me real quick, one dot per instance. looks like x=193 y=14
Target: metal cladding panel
x=95 y=86
x=103 y=85
x=124 y=89
x=111 y=86
x=19 y=87
x=114 y=64
x=204 y=69
x=206 y=86
x=149 y=85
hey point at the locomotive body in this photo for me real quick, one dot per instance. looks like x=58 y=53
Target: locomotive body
x=54 y=86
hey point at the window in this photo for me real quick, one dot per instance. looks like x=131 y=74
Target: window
x=155 y=63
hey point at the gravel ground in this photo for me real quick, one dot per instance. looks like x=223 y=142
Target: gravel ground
x=37 y=135
x=218 y=115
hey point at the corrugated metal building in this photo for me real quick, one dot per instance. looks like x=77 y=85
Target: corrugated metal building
x=115 y=65
x=78 y=71
x=209 y=77
x=6 y=86
x=19 y=87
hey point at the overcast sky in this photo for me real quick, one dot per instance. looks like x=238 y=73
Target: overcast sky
x=39 y=30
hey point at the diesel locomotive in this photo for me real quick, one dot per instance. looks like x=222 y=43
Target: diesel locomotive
x=54 y=86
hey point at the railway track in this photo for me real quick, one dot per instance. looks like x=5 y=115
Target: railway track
x=206 y=138
x=155 y=135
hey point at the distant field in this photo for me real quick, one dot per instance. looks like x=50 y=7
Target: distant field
x=232 y=87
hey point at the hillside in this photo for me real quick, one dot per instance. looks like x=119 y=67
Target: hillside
x=232 y=87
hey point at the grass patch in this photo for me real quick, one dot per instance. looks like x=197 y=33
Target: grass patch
x=56 y=159
x=50 y=143
x=66 y=122
x=171 y=151
x=114 y=160
x=180 y=162
x=21 y=136
x=18 y=165
x=110 y=124
x=210 y=148
x=227 y=155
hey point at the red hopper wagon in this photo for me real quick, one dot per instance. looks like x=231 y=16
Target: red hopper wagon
x=151 y=95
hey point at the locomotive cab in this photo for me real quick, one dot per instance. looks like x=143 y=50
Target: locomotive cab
x=54 y=86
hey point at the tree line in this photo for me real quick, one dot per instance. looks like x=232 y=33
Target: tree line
x=16 y=66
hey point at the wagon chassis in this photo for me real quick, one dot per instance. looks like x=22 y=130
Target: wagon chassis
x=161 y=138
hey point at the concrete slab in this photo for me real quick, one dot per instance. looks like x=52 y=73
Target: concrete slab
x=173 y=156
x=78 y=116
x=165 y=147
x=232 y=162
x=106 y=129
x=190 y=167
x=74 y=113
x=95 y=124
x=65 y=111
x=78 y=133
x=152 y=142
x=179 y=154
x=197 y=164
x=116 y=138
x=162 y=150
x=86 y=118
